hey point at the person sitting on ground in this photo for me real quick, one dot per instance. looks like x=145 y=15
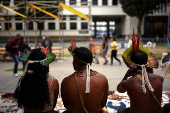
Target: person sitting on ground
x=36 y=90
x=88 y=89
x=143 y=87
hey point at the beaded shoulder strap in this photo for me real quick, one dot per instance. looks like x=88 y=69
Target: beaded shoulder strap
x=80 y=94
x=139 y=76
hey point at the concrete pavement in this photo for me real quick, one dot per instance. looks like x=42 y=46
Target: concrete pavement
x=63 y=68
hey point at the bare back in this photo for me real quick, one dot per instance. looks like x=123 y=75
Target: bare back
x=140 y=102
x=93 y=101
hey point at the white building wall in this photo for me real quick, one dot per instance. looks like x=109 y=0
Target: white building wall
x=124 y=28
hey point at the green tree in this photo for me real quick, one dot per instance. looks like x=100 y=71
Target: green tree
x=139 y=8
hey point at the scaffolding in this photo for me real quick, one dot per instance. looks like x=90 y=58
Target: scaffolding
x=40 y=6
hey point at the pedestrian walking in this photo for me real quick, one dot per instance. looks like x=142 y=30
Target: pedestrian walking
x=114 y=48
x=14 y=52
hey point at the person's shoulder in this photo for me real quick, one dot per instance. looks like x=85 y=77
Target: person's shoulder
x=66 y=79
x=155 y=76
x=101 y=76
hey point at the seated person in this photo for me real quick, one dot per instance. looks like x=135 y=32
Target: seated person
x=36 y=91
x=85 y=90
x=143 y=87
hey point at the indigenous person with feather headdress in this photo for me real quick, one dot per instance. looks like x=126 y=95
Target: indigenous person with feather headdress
x=143 y=87
x=86 y=90
x=36 y=90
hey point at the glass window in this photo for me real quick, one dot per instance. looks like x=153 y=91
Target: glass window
x=18 y=17
x=83 y=19
x=95 y=2
x=165 y=8
x=40 y=25
x=63 y=1
x=6 y=26
x=104 y=2
x=51 y=26
x=30 y=25
x=18 y=26
x=72 y=2
x=6 y=2
x=84 y=25
x=84 y=2
x=114 y=2
x=73 y=17
x=73 y=25
x=63 y=25
x=161 y=8
x=63 y=16
x=6 y=17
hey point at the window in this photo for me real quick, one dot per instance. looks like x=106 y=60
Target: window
x=6 y=17
x=63 y=1
x=51 y=26
x=63 y=25
x=114 y=2
x=165 y=8
x=83 y=19
x=72 y=2
x=95 y=2
x=73 y=25
x=104 y=2
x=6 y=2
x=40 y=25
x=18 y=17
x=161 y=8
x=84 y=25
x=63 y=16
x=18 y=26
x=6 y=26
x=73 y=17
x=30 y=25
x=84 y=2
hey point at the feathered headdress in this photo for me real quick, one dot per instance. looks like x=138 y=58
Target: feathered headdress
x=152 y=61
x=95 y=60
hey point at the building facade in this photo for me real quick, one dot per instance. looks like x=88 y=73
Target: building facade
x=107 y=18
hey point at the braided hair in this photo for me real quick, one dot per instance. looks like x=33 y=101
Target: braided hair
x=33 y=92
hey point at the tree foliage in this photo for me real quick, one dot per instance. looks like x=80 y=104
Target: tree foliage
x=139 y=8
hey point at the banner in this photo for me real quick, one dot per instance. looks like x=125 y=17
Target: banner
x=96 y=48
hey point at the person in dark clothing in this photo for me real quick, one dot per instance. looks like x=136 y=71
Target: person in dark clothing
x=47 y=43
x=23 y=48
x=104 y=49
x=114 y=47
x=13 y=44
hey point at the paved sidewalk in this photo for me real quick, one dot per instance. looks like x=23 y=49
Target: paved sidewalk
x=63 y=68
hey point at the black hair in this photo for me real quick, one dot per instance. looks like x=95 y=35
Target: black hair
x=33 y=92
x=84 y=55
x=166 y=108
x=139 y=57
